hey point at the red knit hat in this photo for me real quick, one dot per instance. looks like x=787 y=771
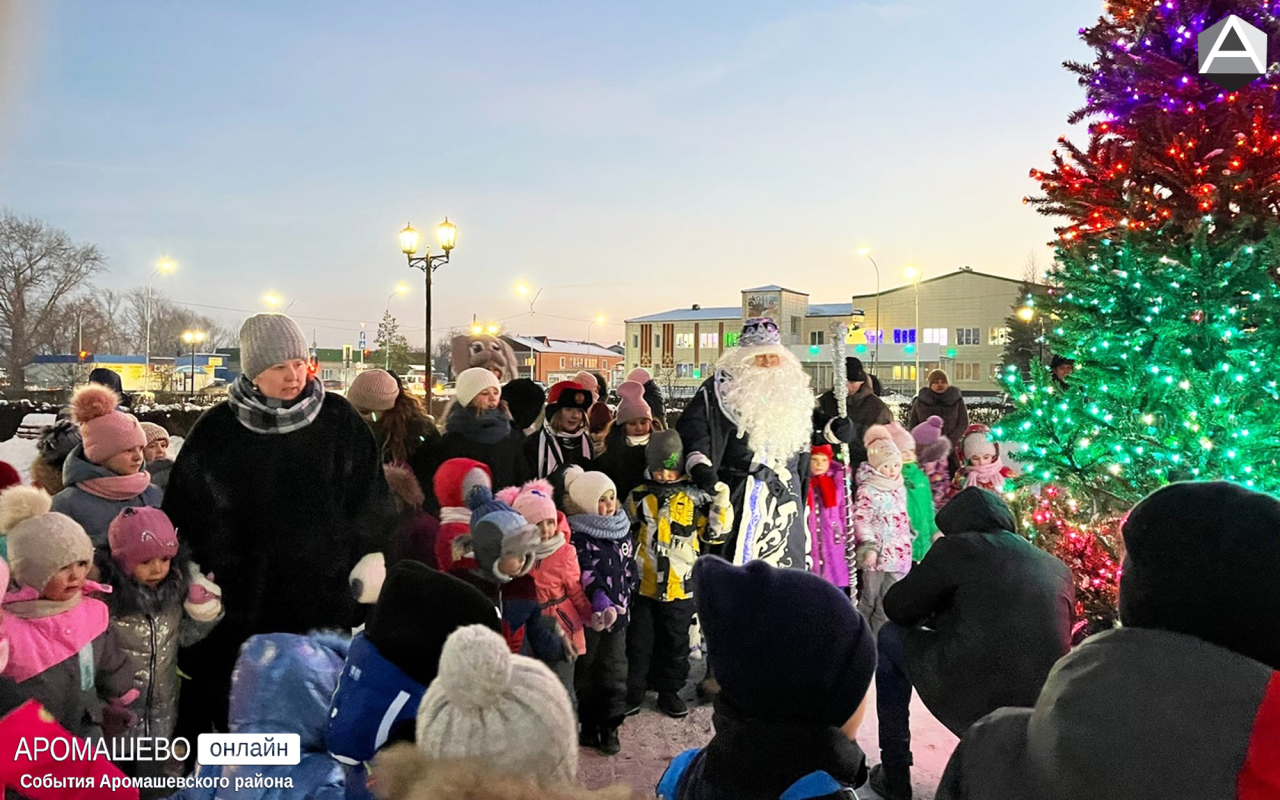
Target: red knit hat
x=8 y=476
x=141 y=534
x=567 y=394
x=104 y=430
x=822 y=450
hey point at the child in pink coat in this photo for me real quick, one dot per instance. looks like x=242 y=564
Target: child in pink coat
x=556 y=573
x=881 y=525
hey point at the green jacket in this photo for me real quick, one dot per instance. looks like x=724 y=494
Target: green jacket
x=919 y=509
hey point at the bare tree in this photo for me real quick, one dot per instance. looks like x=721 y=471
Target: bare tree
x=40 y=269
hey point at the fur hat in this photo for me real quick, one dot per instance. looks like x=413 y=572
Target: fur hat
x=154 y=432
x=820 y=656
x=533 y=501
x=108 y=378
x=631 y=403
x=880 y=447
x=472 y=382
x=104 y=430
x=41 y=542
x=587 y=381
x=374 y=390
x=931 y=445
x=413 y=640
x=268 y=339
x=404 y=486
x=584 y=489
x=974 y=441
x=665 y=450
x=509 y=711
x=140 y=534
x=853 y=369
x=901 y=437
x=638 y=375
x=498 y=532
x=1201 y=559
x=567 y=394
x=759 y=332
x=57 y=441
x=457 y=478
x=525 y=400
x=936 y=375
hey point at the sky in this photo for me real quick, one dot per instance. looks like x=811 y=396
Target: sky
x=623 y=158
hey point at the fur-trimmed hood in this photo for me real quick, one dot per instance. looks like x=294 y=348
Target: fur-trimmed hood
x=404 y=773
x=129 y=597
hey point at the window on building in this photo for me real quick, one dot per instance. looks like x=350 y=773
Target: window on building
x=684 y=341
x=970 y=372
x=874 y=337
x=904 y=335
x=817 y=337
x=998 y=335
x=709 y=341
x=731 y=339
x=635 y=341
x=657 y=341
x=968 y=336
x=326 y=375
x=684 y=370
x=592 y=365
x=561 y=362
x=795 y=326
x=704 y=369
x=936 y=336
x=907 y=373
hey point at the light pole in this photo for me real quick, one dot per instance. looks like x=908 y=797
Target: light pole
x=193 y=338
x=386 y=346
x=447 y=236
x=597 y=321
x=875 y=358
x=914 y=275
x=274 y=301
x=524 y=292
x=163 y=267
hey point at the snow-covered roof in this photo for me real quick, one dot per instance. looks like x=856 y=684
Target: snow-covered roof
x=773 y=287
x=542 y=344
x=692 y=314
x=831 y=310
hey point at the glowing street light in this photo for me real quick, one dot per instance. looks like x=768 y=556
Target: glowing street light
x=410 y=239
x=599 y=320
x=163 y=267
x=193 y=338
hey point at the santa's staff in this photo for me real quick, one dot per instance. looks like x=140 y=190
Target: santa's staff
x=839 y=330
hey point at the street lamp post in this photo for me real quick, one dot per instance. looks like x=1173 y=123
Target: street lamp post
x=447 y=236
x=193 y=338
x=386 y=346
x=914 y=275
x=598 y=320
x=163 y=267
x=875 y=359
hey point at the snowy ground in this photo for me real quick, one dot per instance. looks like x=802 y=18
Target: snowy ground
x=21 y=452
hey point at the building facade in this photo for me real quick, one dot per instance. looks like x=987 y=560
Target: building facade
x=961 y=329
x=549 y=361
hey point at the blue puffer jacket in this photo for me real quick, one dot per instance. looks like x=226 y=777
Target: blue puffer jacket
x=283 y=683
x=374 y=696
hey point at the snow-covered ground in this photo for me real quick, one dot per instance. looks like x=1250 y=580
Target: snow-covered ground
x=21 y=452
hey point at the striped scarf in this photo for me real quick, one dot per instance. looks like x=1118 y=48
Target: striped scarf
x=262 y=414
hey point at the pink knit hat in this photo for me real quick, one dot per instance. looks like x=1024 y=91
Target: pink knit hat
x=631 y=404
x=974 y=442
x=373 y=390
x=587 y=381
x=104 y=430
x=141 y=534
x=880 y=447
x=154 y=432
x=533 y=501
x=901 y=437
x=639 y=375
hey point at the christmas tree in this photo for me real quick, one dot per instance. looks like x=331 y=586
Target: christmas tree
x=1164 y=285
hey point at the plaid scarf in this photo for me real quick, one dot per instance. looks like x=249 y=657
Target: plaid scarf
x=263 y=415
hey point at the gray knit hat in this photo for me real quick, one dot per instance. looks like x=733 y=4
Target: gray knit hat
x=507 y=711
x=41 y=542
x=373 y=390
x=664 y=451
x=269 y=339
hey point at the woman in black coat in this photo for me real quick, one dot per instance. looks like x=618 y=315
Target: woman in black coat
x=476 y=426
x=279 y=492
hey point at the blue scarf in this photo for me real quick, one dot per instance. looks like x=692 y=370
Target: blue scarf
x=597 y=527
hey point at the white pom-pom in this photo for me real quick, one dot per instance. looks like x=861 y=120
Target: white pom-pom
x=475 y=666
x=19 y=503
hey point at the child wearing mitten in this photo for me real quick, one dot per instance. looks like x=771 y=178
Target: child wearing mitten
x=933 y=451
x=158 y=603
x=981 y=458
x=919 y=494
x=104 y=474
x=881 y=527
x=606 y=556
x=674 y=519
x=63 y=652
x=555 y=573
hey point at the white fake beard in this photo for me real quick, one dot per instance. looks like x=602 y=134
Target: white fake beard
x=774 y=405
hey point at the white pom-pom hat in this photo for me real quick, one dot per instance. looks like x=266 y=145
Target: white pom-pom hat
x=504 y=710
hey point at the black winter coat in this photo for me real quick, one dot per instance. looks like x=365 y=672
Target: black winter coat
x=864 y=408
x=624 y=464
x=999 y=611
x=505 y=460
x=949 y=405
x=280 y=520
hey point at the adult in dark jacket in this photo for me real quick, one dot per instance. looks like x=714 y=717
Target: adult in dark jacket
x=939 y=397
x=999 y=612
x=1184 y=700
x=622 y=454
x=279 y=492
x=652 y=394
x=864 y=409
x=476 y=426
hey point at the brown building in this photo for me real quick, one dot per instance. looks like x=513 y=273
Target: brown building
x=549 y=361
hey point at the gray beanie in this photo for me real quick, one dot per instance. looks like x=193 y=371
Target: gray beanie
x=269 y=339
x=664 y=451
x=507 y=711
